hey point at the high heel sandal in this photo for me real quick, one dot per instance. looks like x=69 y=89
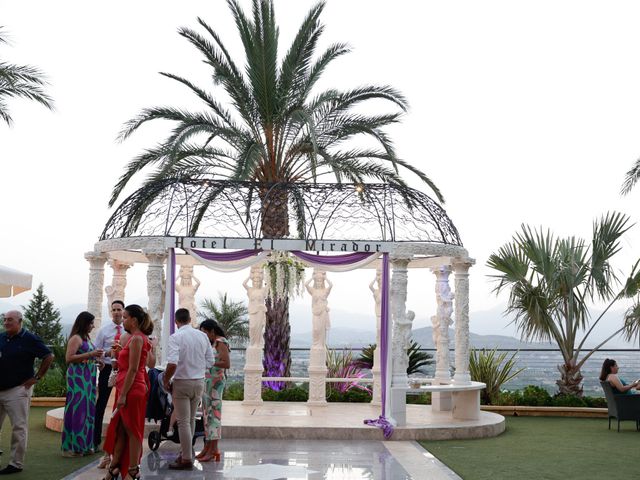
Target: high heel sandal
x=215 y=456
x=134 y=472
x=113 y=472
x=203 y=453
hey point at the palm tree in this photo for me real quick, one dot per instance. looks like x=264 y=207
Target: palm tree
x=551 y=282
x=276 y=129
x=20 y=81
x=231 y=315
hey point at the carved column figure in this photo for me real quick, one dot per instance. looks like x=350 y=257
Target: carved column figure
x=401 y=334
x=96 y=282
x=186 y=289
x=319 y=287
x=116 y=290
x=400 y=360
x=461 y=271
x=257 y=293
x=443 y=321
x=155 y=293
x=376 y=289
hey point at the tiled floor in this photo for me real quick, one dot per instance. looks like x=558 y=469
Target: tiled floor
x=297 y=459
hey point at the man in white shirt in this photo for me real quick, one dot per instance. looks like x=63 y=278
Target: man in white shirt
x=189 y=356
x=107 y=335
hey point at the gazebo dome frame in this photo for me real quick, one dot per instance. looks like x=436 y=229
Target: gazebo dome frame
x=320 y=211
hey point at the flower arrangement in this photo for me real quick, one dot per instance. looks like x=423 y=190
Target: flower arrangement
x=284 y=276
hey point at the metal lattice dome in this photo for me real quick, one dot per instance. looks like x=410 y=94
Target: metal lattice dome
x=222 y=208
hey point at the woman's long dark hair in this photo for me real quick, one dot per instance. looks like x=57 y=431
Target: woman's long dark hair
x=607 y=365
x=211 y=325
x=144 y=320
x=82 y=325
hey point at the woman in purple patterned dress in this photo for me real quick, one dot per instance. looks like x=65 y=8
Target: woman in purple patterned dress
x=80 y=407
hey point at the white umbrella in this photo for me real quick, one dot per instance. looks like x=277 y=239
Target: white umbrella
x=13 y=282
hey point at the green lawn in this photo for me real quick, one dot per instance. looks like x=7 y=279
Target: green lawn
x=545 y=448
x=44 y=460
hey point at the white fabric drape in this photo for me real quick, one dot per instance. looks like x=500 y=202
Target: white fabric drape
x=229 y=266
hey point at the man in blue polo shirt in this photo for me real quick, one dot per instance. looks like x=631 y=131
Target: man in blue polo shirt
x=18 y=350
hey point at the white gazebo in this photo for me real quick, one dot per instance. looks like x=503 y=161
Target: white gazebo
x=184 y=224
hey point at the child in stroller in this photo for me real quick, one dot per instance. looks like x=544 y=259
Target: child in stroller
x=160 y=409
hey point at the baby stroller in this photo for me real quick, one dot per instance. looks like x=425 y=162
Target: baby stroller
x=160 y=408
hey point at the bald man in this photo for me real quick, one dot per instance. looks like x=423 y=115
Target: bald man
x=18 y=351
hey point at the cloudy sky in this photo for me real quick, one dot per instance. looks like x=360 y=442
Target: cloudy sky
x=521 y=112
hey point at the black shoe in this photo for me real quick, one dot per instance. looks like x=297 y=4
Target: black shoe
x=9 y=469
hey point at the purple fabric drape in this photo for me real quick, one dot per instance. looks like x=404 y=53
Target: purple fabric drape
x=382 y=421
x=172 y=290
x=345 y=259
x=226 y=257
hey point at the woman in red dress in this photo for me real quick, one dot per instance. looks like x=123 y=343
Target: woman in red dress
x=126 y=429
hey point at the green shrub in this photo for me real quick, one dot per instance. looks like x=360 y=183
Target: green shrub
x=493 y=370
x=53 y=384
x=353 y=396
x=420 y=399
x=561 y=400
x=595 y=402
x=535 y=396
x=289 y=394
x=509 y=398
x=233 y=391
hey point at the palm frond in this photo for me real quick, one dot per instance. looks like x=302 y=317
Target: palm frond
x=631 y=178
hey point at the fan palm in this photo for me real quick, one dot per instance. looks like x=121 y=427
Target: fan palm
x=551 y=282
x=20 y=81
x=277 y=128
x=230 y=315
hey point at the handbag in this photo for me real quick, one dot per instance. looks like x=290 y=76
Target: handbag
x=111 y=381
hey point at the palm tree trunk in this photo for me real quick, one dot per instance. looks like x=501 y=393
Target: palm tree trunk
x=570 y=382
x=277 y=332
x=277 y=335
x=274 y=211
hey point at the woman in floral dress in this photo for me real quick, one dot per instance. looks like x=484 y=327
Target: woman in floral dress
x=80 y=407
x=214 y=382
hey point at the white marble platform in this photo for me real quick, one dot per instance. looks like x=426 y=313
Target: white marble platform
x=335 y=421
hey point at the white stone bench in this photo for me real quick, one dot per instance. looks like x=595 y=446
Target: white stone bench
x=462 y=400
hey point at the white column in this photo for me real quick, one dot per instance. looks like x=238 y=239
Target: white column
x=376 y=289
x=399 y=356
x=253 y=360
x=461 y=272
x=444 y=298
x=155 y=293
x=116 y=290
x=319 y=291
x=442 y=401
x=96 y=281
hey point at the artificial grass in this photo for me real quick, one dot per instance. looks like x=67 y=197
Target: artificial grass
x=545 y=448
x=44 y=460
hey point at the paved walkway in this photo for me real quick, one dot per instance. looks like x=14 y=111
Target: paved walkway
x=296 y=459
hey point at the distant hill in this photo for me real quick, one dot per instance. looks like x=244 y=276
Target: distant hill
x=345 y=337
x=424 y=336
